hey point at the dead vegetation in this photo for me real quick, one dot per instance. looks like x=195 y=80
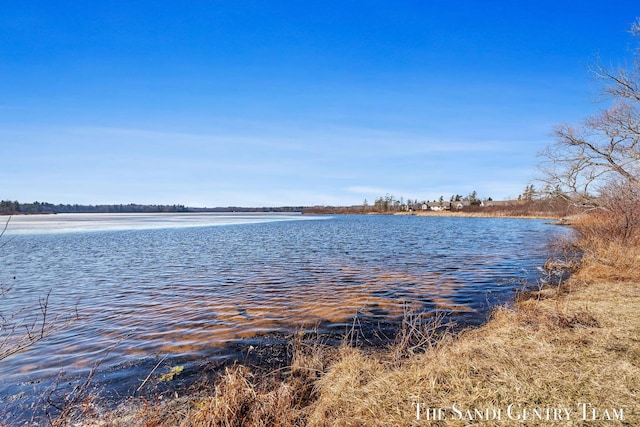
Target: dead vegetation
x=581 y=347
x=610 y=246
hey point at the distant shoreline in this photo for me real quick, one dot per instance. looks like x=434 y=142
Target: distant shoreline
x=463 y=214
x=459 y=214
x=561 y=219
x=543 y=208
x=49 y=209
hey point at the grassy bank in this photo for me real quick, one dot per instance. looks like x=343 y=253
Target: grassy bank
x=561 y=356
x=557 y=352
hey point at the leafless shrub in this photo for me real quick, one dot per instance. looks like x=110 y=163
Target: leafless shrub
x=611 y=251
x=25 y=327
x=418 y=333
x=621 y=202
x=63 y=406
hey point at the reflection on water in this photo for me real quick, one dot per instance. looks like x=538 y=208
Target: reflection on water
x=186 y=288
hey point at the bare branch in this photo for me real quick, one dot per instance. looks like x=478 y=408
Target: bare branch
x=6 y=225
x=604 y=147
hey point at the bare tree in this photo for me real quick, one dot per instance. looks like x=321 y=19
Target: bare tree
x=604 y=147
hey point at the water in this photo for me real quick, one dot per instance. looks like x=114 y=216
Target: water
x=192 y=289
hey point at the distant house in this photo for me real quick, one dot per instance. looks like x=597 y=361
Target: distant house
x=418 y=207
x=439 y=206
x=447 y=206
x=500 y=203
x=457 y=205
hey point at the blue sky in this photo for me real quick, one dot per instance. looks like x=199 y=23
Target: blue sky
x=269 y=103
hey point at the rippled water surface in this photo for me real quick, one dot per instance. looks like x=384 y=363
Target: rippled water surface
x=184 y=288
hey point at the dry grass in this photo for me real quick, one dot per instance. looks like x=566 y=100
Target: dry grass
x=611 y=246
x=238 y=398
x=582 y=347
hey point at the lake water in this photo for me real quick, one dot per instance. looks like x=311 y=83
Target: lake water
x=195 y=289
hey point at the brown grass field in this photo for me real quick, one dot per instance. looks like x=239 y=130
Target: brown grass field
x=566 y=356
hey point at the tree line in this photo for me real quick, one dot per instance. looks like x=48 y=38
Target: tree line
x=15 y=207
x=8 y=207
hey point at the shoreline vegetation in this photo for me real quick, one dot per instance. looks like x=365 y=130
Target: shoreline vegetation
x=561 y=355
x=543 y=208
x=530 y=204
